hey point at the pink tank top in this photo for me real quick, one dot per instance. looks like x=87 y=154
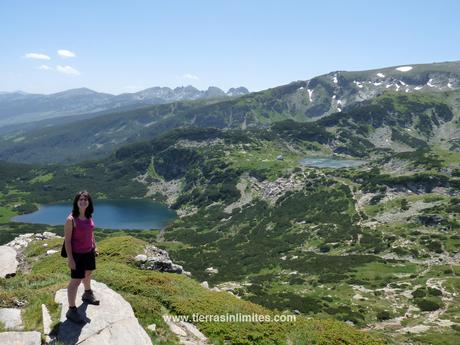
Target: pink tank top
x=82 y=235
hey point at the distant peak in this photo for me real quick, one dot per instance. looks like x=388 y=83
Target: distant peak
x=17 y=92
x=213 y=88
x=238 y=91
x=82 y=91
x=188 y=87
x=214 y=91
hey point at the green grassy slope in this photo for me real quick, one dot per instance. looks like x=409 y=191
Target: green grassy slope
x=153 y=294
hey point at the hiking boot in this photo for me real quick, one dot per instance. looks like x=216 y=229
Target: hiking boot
x=73 y=315
x=88 y=297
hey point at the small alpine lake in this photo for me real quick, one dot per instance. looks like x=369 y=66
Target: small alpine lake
x=132 y=214
x=329 y=162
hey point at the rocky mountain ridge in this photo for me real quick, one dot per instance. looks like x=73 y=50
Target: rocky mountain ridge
x=21 y=107
x=301 y=101
x=334 y=91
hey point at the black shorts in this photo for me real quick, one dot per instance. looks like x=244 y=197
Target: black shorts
x=83 y=262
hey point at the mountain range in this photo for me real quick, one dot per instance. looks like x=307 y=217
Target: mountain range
x=97 y=135
x=21 y=107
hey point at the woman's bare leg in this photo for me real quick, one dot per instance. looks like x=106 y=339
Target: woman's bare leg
x=87 y=280
x=72 y=291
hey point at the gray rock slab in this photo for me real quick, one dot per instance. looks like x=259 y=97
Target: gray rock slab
x=11 y=318
x=20 y=338
x=191 y=328
x=8 y=262
x=112 y=322
x=187 y=332
x=46 y=317
x=174 y=327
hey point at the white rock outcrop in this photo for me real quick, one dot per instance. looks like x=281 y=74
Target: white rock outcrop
x=8 y=262
x=23 y=240
x=187 y=332
x=158 y=259
x=11 y=318
x=46 y=318
x=112 y=322
x=12 y=251
x=211 y=270
x=20 y=338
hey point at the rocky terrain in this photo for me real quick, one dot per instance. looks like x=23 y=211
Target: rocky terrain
x=337 y=90
x=112 y=322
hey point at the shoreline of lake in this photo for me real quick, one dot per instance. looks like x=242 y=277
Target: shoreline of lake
x=114 y=214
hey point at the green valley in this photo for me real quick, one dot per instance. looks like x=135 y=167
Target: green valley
x=376 y=246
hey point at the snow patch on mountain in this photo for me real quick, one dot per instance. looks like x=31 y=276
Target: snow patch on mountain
x=310 y=94
x=404 y=68
x=339 y=105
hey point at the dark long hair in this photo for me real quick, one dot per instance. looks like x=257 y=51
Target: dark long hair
x=89 y=210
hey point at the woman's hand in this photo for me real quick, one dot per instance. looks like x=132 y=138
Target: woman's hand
x=71 y=264
x=96 y=252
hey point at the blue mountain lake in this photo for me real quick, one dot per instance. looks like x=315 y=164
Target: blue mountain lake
x=109 y=214
x=327 y=162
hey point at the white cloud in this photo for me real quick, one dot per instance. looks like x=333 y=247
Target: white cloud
x=67 y=70
x=64 y=53
x=190 y=76
x=37 y=56
x=44 y=67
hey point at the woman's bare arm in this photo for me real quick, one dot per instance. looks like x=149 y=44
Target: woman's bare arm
x=68 y=229
x=95 y=246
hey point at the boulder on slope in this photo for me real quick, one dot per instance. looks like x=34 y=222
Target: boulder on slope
x=110 y=323
x=8 y=262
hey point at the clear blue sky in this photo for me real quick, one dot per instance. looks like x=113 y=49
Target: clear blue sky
x=125 y=46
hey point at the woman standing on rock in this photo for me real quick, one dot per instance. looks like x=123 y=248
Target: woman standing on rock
x=82 y=251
